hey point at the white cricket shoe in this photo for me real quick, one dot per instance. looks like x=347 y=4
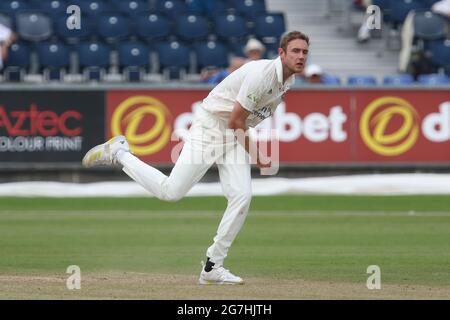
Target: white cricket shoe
x=105 y=154
x=218 y=275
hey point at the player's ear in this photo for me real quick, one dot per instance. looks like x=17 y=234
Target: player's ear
x=281 y=52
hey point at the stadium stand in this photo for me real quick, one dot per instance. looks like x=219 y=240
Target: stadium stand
x=179 y=36
x=175 y=37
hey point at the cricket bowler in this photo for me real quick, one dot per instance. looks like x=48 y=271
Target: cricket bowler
x=242 y=100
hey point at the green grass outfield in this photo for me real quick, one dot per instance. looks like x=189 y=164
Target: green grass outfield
x=317 y=238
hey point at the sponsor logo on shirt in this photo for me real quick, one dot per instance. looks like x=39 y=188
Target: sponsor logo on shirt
x=263 y=113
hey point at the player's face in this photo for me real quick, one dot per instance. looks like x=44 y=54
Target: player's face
x=294 y=58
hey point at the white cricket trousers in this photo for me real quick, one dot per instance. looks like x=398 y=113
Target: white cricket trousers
x=208 y=142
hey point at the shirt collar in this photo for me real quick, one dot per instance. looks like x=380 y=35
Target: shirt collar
x=279 y=70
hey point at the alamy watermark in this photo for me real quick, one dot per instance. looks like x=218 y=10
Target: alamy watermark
x=373 y=20
x=74 y=280
x=73 y=22
x=374 y=280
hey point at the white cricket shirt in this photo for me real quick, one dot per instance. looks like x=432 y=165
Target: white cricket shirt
x=257 y=86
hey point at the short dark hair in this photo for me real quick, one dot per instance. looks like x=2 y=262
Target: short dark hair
x=288 y=37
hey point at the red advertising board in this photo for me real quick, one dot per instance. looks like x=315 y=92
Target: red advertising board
x=329 y=126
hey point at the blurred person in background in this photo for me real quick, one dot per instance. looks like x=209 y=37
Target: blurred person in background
x=313 y=74
x=409 y=62
x=254 y=49
x=7 y=37
x=235 y=64
x=442 y=7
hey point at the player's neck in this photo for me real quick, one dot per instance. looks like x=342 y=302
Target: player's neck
x=287 y=73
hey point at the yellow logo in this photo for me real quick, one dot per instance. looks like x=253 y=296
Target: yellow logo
x=379 y=115
x=127 y=123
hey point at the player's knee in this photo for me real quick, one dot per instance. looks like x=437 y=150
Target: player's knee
x=172 y=195
x=243 y=198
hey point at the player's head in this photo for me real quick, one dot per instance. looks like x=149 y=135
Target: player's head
x=293 y=51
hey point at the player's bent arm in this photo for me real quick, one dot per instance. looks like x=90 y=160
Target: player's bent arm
x=237 y=123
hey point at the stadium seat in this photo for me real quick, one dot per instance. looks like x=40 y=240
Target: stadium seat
x=269 y=27
x=134 y=60
x=11 y=7
x=211 y=54
x=172 y=8
x=6 y=20
x=237 y=48
x=54 y=8
x=94 y=59
x=174 y=59
x=208 y=8
x=433 y=79
x=73 y=36
x=429 y=26
x=151 y=26
x=54 y=59
x=93 y=8
x=191 y=27
x=249 y=8
x=230 y=27
x=401 y=8
x=132 y=7
x=398 y=80
x=331 y=80
x=18 y=62
x=361 y=80
x=33 y=26
x=113 y=27
x=440 y=52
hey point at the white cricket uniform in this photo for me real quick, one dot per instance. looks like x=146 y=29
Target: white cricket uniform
x=258 y=87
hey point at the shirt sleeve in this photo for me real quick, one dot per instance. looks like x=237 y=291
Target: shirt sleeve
x=251 y=90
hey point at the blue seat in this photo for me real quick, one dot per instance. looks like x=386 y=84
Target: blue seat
x=94 y=8
x=230 y=27
x=429 y=26
x=249 y=8
x=94 y=59
x=269 y=27
x=191 y=27
x=54 y=8
x=11 y=7
x=151 y=26
x=54 y=59
x=6 y=20
x=113 y=27
x=134 y=59
x=172 y=8
x=331 y=80
x=433 y=79
x=208 y=8
x=401 y=8
x=18 y=62
x=211 y=54
x=361 y=80
x=33 y=25
x=73 y=36
x=398 y=80
x=132 y=7
x=440 y=52
x=174 y=59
